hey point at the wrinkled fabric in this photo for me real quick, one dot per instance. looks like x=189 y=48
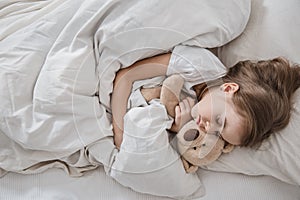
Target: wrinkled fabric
x=58 y=59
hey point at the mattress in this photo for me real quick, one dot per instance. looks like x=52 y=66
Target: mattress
x=56 y=184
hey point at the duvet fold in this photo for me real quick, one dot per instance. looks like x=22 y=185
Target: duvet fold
x=58 y=60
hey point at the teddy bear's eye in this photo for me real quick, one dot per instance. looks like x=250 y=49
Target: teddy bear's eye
x=195 y=148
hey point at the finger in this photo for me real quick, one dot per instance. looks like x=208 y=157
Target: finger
x=177 y=114
x=182 y=105
x=187 y=106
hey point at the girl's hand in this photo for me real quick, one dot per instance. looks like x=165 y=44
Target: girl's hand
x=118 y=135
x=182 y=113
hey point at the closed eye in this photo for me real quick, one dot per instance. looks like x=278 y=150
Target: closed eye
x=219 y=120
x=224 y=123
x=218 y=134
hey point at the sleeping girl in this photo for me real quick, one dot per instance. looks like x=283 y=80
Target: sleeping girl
x=248 y=103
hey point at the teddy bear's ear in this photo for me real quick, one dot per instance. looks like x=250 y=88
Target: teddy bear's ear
x=189 y=168
x=228 y=148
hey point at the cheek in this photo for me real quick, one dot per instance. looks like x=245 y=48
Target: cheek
x=205 y=108
x=201 y=108
x=234 y=132
x=194 y=111
x=231 y=138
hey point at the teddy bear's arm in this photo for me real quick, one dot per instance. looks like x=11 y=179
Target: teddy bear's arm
x=189 y=168
x=168 y=93
x=151 y=93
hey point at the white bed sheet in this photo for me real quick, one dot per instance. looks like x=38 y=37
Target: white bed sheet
x=55 y=184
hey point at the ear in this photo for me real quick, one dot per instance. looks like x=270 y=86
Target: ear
x=228 y=148
x=189 y=168
x=230 y=88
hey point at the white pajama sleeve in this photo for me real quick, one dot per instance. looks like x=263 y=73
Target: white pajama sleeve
x=145 y=138
x=195 y=64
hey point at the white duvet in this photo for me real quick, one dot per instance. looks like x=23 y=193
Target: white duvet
x=58 y=59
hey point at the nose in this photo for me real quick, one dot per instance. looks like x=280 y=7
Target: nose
x=194 y=111
x=204 y=125
x=191 y=135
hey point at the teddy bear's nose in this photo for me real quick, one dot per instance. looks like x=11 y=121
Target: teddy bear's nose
x=191 y=135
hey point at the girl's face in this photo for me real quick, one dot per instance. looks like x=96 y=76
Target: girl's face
x=216 y=114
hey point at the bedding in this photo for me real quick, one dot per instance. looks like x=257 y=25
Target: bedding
x=54 y=184
x=58 y=62
x=273 y=30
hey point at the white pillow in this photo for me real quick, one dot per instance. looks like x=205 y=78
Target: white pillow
x=273 y=30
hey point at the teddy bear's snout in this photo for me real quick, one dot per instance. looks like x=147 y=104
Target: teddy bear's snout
x=191 y=135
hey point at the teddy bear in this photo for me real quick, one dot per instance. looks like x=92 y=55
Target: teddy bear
x=196 y=147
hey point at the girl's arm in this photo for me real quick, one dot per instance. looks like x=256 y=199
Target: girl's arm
x=144 y=69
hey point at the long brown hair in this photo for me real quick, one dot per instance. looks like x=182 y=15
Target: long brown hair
x=263 y=99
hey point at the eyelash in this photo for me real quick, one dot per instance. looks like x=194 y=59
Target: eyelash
x=218 y=120
x=218 y=134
